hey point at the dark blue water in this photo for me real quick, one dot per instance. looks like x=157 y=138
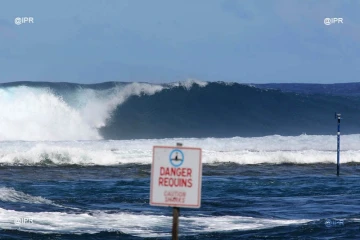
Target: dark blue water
x=189 y=109
x=285 y=201
x=54 y=186
x=338 y=89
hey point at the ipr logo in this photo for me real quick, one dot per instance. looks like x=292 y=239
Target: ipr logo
x=18 y=221
x=334 y=223
x=22 y=20
x=329 y=21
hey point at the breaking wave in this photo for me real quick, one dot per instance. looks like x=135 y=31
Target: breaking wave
x=37 y=112
x=63 y=111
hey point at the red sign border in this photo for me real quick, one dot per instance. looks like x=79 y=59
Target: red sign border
x=199 y=180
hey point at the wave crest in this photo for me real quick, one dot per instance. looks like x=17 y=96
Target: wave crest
x=33 y=113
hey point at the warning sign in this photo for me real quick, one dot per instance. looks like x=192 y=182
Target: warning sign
x=176 y=175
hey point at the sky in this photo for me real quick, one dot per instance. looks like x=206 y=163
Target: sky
x=245 y=41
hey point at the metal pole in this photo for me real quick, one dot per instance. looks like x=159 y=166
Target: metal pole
x=338 y=145
x=176 y=213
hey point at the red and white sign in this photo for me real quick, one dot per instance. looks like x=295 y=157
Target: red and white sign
x=176 y=176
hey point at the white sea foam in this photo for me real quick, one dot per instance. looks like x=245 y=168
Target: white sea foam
x=11 y=195
x=34 y=114
x=135 y=224
x=189 y=83
x=272 y=149
x=37 y=114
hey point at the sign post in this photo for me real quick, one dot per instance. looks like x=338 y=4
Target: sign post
x=176 y=213
x=176 y=179
x=338 y=116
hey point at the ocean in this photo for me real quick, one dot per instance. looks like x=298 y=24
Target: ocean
x=75 y=160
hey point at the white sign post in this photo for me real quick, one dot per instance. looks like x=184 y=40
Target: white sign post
x=176 y=177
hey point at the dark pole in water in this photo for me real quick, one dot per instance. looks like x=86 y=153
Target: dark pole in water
x=176 y=213
x=175 y=227
x=338 y=116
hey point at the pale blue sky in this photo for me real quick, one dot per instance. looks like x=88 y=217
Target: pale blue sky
x=246 y=41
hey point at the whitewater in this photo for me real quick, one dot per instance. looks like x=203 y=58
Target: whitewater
x=63 y=177
x=304 y=149
x=44 y=125
x=40 y=114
